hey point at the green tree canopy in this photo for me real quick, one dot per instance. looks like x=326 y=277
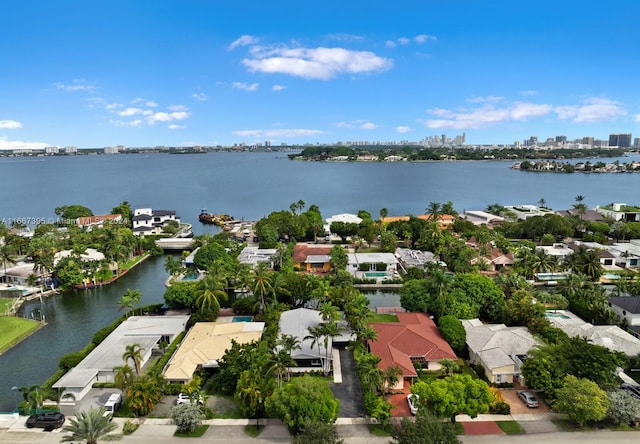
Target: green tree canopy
x=453 y=331
x=582 y=400
x=303 y=399
x=426 y=429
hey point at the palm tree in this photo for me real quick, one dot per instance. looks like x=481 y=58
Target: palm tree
x=208 y=295
x=329 y=330
x=315 y=333
x=143 y=393
x=280 y=363
x=543 y=262
x=392 y=376
x=123 y=376
x=133 y=352
x=329 y=312
x=433 y=210
x=90 y=426
x=7 y=256
x=33 y=396
x=262 y=283
x=448 y=366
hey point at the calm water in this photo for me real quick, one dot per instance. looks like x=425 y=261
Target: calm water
x=249 y=186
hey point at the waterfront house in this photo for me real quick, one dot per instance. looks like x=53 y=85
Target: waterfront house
x=444 y=220
x=627 y=254
x=89 y=222
x=610 y=336
x=499 y=349
x=346 y=218
x=620 y=211
x=628 y=308
x=149 y=221
x=206 y=343
x=252 y=256
x=523 y=212
x=372 y=265
x=481 y=218
x=100 y=365
x=408 y=258
x=312 y=258
x=414 y=339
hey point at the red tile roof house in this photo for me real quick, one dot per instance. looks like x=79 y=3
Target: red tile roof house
x=311 y=258
x=98 y=220
x=414 y=338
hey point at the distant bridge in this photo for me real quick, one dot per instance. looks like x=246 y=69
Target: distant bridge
x=175 y=243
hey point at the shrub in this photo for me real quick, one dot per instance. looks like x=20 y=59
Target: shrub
x=70 y=360
x=129 y=427
x=188 y=417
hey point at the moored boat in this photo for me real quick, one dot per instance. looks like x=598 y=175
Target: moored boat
x=214 y=219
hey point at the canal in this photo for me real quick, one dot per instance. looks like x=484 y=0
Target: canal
x=71 y=320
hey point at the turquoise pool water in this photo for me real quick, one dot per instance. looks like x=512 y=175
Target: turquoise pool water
x=556 y=315
x=191 y=277
x=611 y=276
x=371 y=274
x=242 y=319
x=551 y=276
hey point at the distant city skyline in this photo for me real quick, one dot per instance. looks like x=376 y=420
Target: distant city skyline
x=138 y=74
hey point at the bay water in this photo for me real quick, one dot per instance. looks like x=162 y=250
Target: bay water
x=248 y=186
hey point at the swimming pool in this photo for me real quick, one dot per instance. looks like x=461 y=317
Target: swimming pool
x=371 y=274
x=556 y=315
x=242 y=319
x=611 y=276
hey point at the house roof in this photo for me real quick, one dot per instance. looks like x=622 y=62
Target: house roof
x=92 y=220
x=145 y=331
x=415 y=335
x=628 y=303
x=302 y=251
x=296 y=323
x=484 y=339
x=206 y=343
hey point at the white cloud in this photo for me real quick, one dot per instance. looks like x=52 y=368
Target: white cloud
x=314 y=63
x=390 y=44
x=129 y=112
x=136 y=122
x=10 y=124
x=485 y=99
x=486 y=115
x=368 y=126
x=243 y=40
x=345 y=125
x=529 y=92
x=177 y=108
x=283 y=133
x=173 y=126
x=149 y=103
x=202 y=97
x=404 y=41
x=21 y=145
x=592 y=109
x=167 y=117
x=636 y=117
x=76 y=85
x=424 y=37
x=278 y=87
x=345 y=37
x=246 y=87
x=402 y=129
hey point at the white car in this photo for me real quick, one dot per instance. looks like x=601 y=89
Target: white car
x=412 y=400
x=184 y=398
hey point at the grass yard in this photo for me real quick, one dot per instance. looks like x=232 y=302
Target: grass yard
x=382 y=317
x=195 y=434
x=510 y=427
x=5 y=305
x=14 y=330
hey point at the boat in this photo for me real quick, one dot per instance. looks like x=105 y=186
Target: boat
x=214 y=219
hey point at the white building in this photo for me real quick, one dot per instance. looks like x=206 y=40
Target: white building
x=149 y=221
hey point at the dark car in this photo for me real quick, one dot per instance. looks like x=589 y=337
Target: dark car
x=47 y=421
x=633 y=389
x=528 y=398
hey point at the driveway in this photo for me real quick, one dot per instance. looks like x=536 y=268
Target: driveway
x=94 y=398
x=349 y=392
x=517 y=406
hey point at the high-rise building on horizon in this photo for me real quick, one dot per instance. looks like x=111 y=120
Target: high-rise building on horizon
x=620 y=140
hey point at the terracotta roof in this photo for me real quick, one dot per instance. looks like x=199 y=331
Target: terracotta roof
x=90 y=220
x=414 y=335
x=302 y=251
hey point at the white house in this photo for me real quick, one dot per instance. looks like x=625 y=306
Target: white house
x=499 y=349
x=372 y=265
x=149 y=221
x=481 y=217
x=620 y=211
x=627 y=307
x=344 y=217
x=308 y=356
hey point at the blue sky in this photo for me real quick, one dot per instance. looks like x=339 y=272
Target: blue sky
x=167 y=72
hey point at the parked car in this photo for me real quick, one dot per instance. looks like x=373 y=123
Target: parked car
x=113 y=403
x=528 y=398
x=184 y=398
x=47 y=421
x=633 y=389
x=412 y=400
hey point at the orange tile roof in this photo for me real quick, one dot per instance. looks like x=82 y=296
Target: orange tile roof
x=90 y=220
x=414 y=335
x=302 y=251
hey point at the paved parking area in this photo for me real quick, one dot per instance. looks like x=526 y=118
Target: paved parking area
x=517 y=406
x=348 y=392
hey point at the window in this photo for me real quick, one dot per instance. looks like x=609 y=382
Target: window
x=500 y=379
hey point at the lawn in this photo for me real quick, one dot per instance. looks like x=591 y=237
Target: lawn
x=13 y=330
x=382 y=317
x=510 y=427
x=195 y=434
x=5 y=305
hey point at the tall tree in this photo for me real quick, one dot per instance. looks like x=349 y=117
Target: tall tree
x=133 y=352
x=582 y=400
